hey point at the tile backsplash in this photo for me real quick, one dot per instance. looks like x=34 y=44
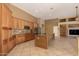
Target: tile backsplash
x=19 y=31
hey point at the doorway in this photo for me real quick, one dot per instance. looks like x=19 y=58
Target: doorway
x=56 y=31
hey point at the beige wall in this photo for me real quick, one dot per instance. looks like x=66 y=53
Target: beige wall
x=49 y=26
x=21 y=14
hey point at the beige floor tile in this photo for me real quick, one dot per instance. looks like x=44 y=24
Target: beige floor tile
x=58 y=47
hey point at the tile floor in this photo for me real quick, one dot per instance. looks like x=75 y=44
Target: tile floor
x=57 y=47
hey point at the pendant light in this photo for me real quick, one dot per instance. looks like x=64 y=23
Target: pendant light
x=77 y=13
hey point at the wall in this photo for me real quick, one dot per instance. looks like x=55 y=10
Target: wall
x=21 y=14
x=49 y=24
x=56 y=31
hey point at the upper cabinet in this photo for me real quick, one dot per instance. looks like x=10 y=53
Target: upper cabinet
x=62 y=20
x=10 y=22
x=9 y=18
x=72 y=19
x=15 y=22
x=6 y=16
x=68 y=19
x=18 y=23
x=23 y=24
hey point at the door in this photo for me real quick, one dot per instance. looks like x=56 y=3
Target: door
x=56 y=31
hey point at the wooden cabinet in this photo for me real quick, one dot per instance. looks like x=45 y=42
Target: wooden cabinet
x=5 y=27
x=11 y=43
x=0 y=30
x=63 y=30
x=29 y=36
x=21 y=24
x=18 y=23
x=62 y=20
x=15 y=22
x=9 y=18
x=20 y=38
x=73 y=25
x=4 y=47
x=0 y=49
x=6 y=16
x=5 y=36
x=7 y=23
x=41 y=41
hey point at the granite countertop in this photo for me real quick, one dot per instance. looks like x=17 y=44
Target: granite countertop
x=19 y=32
x=42 y=34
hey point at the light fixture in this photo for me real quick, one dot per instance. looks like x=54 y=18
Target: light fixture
x=77 y=13
x=51 y=8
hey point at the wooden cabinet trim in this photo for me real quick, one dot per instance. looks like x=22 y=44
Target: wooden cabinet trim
x=6 y=28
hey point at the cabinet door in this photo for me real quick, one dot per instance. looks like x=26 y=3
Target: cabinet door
x=9 y=18
x=4 y=16
x=63 y=30
x=12 y=21
x=15 y=22
x=20 y=39
x=23 y=24
x=31 y=24
x=0 y=30
x=10 y=43
x=4 y=47
x=18 y=23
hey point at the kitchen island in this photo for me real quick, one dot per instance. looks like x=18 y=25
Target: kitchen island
x=42 y=41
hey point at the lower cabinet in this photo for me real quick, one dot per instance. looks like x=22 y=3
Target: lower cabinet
x=41 y=41
x=7 y=45
x=14 y=41
x=0 y=49
x=11 y=43
x=20 y=38
x=29 y=36
x=4 y=47
x=24 y=37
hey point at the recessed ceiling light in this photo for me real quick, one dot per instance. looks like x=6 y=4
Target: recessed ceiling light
x=51 y=8
x=36 y=11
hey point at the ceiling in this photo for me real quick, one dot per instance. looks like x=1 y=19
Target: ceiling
x=49 y=10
